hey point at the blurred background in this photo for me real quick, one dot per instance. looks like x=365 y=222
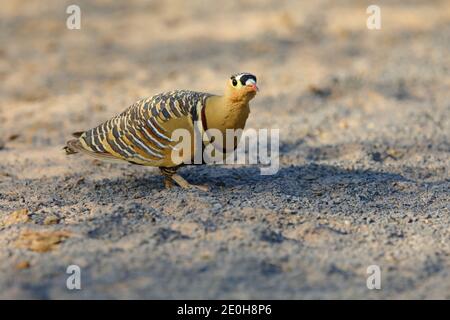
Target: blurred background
x=56 y=80
x=364 y=118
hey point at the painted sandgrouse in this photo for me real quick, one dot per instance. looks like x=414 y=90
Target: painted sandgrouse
x=142 y=134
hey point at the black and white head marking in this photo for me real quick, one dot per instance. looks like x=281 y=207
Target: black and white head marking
x=244 y=78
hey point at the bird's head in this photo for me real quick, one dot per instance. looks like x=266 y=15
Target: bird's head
x=241 y=86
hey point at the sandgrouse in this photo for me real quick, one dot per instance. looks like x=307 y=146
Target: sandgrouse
x=142 y=134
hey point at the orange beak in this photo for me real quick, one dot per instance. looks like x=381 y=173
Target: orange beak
x=254 y=87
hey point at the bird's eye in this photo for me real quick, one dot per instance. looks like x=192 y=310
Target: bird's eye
x=234 y=82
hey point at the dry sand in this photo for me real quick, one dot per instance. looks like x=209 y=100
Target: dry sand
x=364 y=118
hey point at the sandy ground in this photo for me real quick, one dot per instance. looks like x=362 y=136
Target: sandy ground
x=364 y=118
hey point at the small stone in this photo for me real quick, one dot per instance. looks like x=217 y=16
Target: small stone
x=271 y=236
x=320 y=92
x=394 y=153
x=13 y=137
x=376 y=156
x=41 y=241
x=401 y=185
x=310 y=177
x=15 y=217
x=51 y=220
x=22 y=265
x=343 y=124
x=317 y=190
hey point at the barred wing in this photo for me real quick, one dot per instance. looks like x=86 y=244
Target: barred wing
x=142 y=133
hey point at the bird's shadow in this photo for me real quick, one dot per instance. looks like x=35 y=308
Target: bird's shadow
x=313 y=177
x=293 y=180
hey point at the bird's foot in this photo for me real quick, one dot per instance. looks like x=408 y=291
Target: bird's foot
x=186 y=185
x=201 y=187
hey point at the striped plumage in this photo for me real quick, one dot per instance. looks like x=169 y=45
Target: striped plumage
x=142 y=133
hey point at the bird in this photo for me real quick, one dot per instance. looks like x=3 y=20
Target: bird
x=141 y=134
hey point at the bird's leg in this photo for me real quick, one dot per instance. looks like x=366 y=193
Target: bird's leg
x=168 y=173
x=186 y=185
x=168 y=182
x=171 y=176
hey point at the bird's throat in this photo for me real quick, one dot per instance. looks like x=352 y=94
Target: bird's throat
x=223 y=113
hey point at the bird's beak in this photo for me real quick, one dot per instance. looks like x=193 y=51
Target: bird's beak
x=252 y=84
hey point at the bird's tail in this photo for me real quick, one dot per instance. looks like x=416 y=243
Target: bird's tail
x=73 y=146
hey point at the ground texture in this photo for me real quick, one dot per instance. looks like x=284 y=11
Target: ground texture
x=364 y=156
